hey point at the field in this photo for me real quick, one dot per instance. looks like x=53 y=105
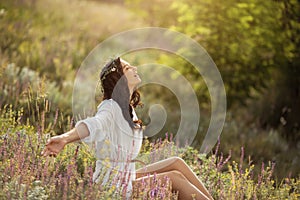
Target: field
x=42 y=45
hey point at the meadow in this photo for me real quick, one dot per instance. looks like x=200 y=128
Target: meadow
x=25 y=174
x=42 y=44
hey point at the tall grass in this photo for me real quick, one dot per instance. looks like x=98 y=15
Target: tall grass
x=25 y=174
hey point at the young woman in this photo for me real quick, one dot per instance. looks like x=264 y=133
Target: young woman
x=116 y=133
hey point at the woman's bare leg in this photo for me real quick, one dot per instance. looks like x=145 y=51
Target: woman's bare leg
x=179 y=183
x=170 y=164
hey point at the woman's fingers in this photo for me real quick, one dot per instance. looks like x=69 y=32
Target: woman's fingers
x=53 y=154
x=48 y=141
x=47 y=152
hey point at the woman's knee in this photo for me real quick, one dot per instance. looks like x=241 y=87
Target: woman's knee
x=177 y=160
x=175 y=174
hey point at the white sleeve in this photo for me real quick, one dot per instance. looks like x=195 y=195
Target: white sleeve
x=99 y=125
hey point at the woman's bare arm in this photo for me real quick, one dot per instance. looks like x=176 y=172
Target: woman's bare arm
x=80 y=132
x=57 y=143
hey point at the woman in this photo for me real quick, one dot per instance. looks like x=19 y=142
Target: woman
x=117 y=136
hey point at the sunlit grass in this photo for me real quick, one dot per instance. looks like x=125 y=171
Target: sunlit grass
x=25 y=173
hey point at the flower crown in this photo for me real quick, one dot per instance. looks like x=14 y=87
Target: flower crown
x=112 y=67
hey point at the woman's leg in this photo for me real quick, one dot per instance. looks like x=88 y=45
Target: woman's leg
x=170 y=164
x=179 y=183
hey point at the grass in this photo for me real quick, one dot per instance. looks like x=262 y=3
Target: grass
x=25 y=174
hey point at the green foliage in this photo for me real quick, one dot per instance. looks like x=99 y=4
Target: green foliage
x=261 y=145
x=39 y=56
x=253 y=43
x=159 y=11
x=280 y=105
x=242 y=38
x=37 y=34
x=38 y=98
x=50 y=53
x=255 y=46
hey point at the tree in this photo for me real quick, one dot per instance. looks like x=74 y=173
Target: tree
x=254 y=45
x=280 y=105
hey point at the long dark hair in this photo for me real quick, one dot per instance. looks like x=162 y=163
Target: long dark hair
x=115 y=86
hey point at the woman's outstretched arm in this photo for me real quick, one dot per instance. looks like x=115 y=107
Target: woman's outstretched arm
x=57 y=143
x=91 y=126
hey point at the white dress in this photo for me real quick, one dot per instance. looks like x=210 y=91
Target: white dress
x=116 y=145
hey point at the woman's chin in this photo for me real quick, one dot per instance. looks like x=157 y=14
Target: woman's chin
x=138 y=81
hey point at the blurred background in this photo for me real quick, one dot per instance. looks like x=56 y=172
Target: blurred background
x=255 y=45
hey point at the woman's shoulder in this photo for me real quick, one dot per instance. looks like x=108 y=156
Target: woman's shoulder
x=108 y=104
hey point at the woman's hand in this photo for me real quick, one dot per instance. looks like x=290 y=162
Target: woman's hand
x=57 y=143
x=54 y=146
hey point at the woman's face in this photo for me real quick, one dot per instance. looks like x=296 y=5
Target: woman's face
x=131 y=74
